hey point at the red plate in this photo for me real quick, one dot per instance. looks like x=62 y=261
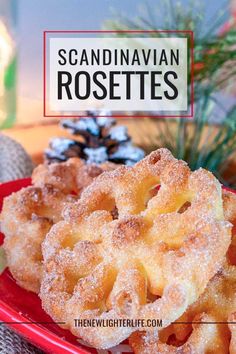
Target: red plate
x=18 y=305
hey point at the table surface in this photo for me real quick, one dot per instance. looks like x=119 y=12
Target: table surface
x=35 y=138
x=144 y=132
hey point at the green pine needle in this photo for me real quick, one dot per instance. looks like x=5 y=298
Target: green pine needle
x=201 y=144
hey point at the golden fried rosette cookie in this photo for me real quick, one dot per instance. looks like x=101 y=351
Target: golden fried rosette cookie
x=209 y=325
x=26 y=218
x=70 y=176
x=128 y=250
x=28 y=215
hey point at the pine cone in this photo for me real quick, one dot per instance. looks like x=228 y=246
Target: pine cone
x=101 y=140
x=14 y=161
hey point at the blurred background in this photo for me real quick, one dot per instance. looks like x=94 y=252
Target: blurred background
x=31 y=18
x=209 y=140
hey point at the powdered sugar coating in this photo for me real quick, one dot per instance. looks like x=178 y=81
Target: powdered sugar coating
x=26 y=218
x=28 y=215
x=147 y=257
x=70 y=176
x=208 y=324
